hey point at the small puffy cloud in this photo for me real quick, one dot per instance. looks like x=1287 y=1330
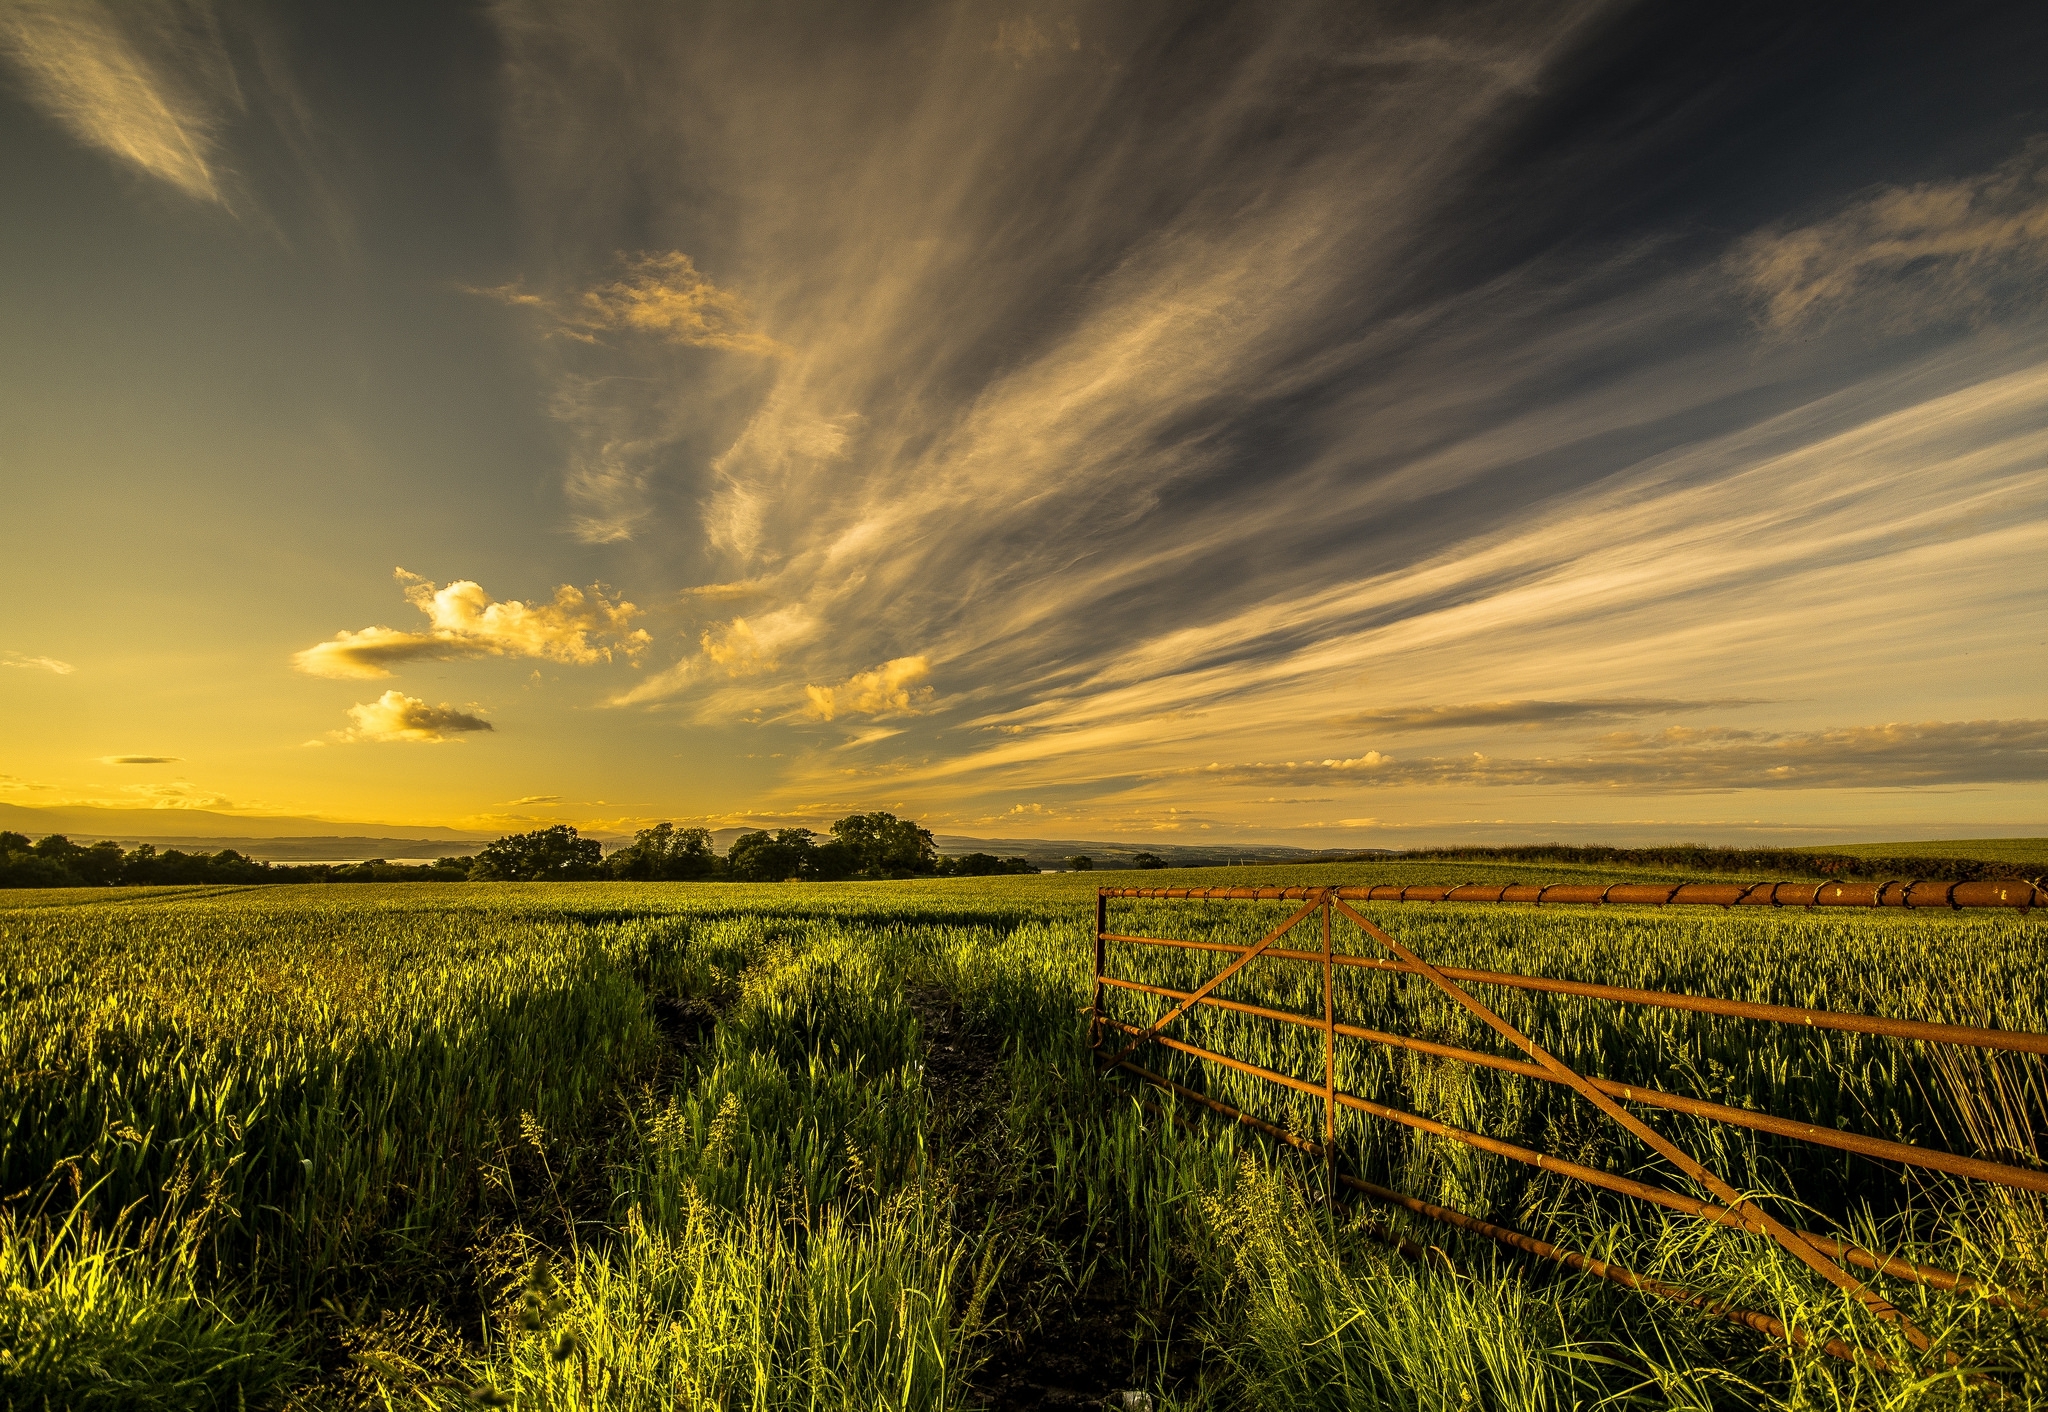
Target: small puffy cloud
x=578 y=627
x=394 y=716
x=892 y=689
x=101 y=70
x=738 y=650
x=36 y=664
x=1921 y=254
x=661 y=294
x=140 y=759
x=533 y=799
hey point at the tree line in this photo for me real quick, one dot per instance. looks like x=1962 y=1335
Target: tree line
x=876 y=845
x=58 y=862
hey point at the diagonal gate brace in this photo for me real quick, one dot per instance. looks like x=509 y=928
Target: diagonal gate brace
x=1790 y=1239
x=1151 y=1032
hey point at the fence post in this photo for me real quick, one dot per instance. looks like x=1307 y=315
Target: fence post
x=1095 y=1004
x=1329 y=1058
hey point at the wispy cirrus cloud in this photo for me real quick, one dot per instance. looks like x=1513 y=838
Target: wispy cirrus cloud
x=191 y=93
x=577 y=627
x=1231 y=437
x=1913 y=255
x=147 y=83
x=36 y=664
x=396 y=717
x=740 y=649
x=615 y=348
x=1528 y=714
x=1687 y=760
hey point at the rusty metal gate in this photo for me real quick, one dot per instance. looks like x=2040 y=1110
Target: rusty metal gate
x=1826 y=1255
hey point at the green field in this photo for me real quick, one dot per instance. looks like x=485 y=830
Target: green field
x=1988 y=850
x=842 y=1146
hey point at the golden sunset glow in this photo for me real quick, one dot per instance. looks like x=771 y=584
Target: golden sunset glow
x=1313 y=428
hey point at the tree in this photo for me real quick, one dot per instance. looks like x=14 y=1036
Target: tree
x=983 y=865
x=1081 y=863
x=884 y=846
x=545 y=855
x=1147 y=860
x=665 y=851
x=764 y=857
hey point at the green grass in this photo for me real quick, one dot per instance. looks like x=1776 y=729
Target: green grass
x=834 y=1146
x=1987 y=850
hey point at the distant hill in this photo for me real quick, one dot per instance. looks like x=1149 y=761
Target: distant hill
x=185 y=828
x=1987 y=850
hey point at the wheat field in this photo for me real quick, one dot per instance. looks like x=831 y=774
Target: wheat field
x=844 y=1146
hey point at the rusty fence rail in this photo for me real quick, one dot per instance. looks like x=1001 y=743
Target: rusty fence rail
x=1826 y=1255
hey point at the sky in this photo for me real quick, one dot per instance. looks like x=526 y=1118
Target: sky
x=1343 y=425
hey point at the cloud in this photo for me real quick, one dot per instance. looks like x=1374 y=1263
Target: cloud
x=395 y=716
x=892 y=689
x=1685 y=760
x=735 y=650
x=141 y=759
x=149 y=84
x=464 y=621
x=178 y=795
x=38 y=664
x=661 y=294
x=1230 y=438
x=1930 y=253
x=1527 y=714
x=1022 y=40
x=639 y=366
x=745 y=588
x=533 y=799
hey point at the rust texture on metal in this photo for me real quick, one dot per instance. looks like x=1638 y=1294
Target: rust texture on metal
x=1219 y=978
x=1592 y=1176
x=1827 y=1256
x=1932 y=1159
x=2015 y=893
x=2019 y=1040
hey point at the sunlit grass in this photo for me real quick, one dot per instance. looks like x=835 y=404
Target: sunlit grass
x=310 y=1144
